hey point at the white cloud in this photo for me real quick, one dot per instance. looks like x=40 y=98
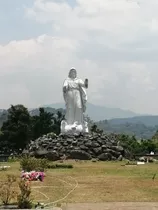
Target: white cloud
x=112 y=42
x=39 y=65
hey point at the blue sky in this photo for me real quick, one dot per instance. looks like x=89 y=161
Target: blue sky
x=111 y=42
x=14 y=24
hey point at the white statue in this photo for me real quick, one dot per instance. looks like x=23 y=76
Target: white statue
x=75 y=99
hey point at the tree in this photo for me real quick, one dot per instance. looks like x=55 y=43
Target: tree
x=130 y=143
x=89 y=121
x=137 y=147
x=41 y=124
x=45 y=123
x=148 y=146
x=94 y=128
x=57 y=118
x=16 y=130
x=155 y=136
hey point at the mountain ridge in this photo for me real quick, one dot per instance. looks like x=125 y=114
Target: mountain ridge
x=148 y=120
x=97 y=112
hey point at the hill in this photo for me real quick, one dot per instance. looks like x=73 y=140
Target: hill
x=97 y=113
x=35 y=111
x=140 y=126
x=146 y=120
x=140 y=130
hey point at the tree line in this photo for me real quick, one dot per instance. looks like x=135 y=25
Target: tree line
x=20 y=127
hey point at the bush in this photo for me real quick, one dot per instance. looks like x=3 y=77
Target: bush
x=24 y=198
x=55 y=166
x=31 y=164
x=7 y=193
x=13 y=159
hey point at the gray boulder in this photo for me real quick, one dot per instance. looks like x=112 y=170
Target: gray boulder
x=104 y=157
x=80 y=155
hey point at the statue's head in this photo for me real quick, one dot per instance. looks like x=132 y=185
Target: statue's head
x=72 y=73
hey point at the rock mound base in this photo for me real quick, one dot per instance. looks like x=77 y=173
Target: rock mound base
x=104 y=147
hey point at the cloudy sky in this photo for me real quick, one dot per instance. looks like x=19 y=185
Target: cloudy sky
x=113 y=43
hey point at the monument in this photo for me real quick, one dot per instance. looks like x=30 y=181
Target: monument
x=99 y=146
x=75 y=96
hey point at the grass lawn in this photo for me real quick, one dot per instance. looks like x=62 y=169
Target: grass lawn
x=94 y=182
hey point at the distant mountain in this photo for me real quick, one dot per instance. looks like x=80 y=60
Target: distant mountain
x=1 y=110
x=97 y=113
x=150 y=120
x=3 y=116
x=35 y=111
x=140 y=126
x=55 y=105
x=138 y=129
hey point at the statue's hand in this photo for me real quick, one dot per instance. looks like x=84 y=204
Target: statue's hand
x=86 y=83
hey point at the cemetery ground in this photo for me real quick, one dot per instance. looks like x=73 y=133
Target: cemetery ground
x=93 y=182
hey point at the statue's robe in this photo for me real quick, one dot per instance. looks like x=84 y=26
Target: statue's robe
x=75 y=98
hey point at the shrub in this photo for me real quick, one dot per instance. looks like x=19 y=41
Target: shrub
x=7 y=193
x=24 y=198
x=42 y=164
x=12 y=159
x=31 y=163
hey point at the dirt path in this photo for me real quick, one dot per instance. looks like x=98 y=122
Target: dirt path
x=113 y=206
